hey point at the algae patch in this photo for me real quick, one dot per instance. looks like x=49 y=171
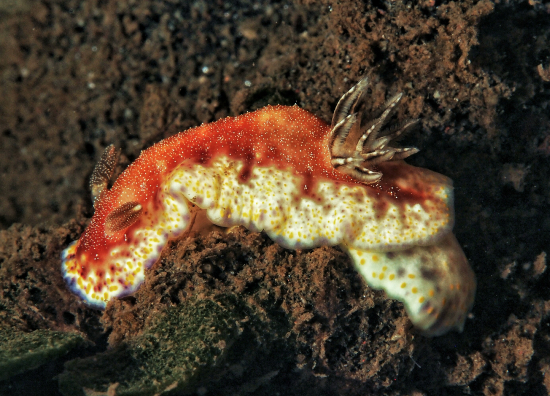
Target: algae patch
x=181 y=344
x=21 y=351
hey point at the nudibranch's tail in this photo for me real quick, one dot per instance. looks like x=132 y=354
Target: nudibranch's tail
x=355 y=149
x=435 y=283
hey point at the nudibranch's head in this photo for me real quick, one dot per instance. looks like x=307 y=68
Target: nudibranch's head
x=126 y=235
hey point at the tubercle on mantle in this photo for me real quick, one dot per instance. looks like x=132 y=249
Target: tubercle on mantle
x=304 y=183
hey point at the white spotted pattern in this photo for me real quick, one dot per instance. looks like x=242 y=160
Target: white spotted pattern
x=435 y=282
x=271 y=200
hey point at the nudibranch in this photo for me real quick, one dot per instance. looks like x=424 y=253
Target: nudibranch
x=283 y=171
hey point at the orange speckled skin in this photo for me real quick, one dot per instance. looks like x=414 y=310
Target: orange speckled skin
x=283 y=171
x=286 y=137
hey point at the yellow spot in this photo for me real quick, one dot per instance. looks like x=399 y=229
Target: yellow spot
x=362 y=261
x=431 y=293
x=88 y=288
x=430 y=310
x=403 y=285
x=412 y=276
x=105 y=296
x=374 y=274
x=421 y=300
x=375 y=258
x=392 y=276
x=381 y=276
x=414 y=290
x=113 y=288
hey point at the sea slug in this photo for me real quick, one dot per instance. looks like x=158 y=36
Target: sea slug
x=304 y=183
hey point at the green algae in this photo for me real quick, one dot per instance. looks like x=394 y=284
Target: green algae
x=182 y=344
x=20 y=351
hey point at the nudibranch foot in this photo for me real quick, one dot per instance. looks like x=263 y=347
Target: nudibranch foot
x=435 y=283
x=355 y=150
x=285 y=172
